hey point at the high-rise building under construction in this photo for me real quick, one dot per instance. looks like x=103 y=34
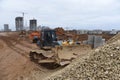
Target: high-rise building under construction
x=19 y=23
x=33 y=24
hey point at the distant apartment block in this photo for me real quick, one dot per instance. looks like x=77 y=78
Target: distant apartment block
x=95 y=32
x=6 y=27
x=113 y=31
x=19 y=23
x=33 y=24
x=82 y=31
x=89 y=31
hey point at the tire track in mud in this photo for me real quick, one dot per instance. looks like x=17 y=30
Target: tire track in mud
x=37 y=69
x=18 y=41
x=9 y=43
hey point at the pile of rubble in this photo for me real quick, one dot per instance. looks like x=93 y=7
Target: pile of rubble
x=101 y=64
x=113 y=39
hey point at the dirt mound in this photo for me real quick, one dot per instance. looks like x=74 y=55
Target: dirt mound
x=101 y=64
x=1 y=46
x=14 y=62
x=115 y=38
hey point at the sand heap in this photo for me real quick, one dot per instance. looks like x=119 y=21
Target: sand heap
x=102 y=64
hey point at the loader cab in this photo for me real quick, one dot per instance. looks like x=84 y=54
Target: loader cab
x=48 y=38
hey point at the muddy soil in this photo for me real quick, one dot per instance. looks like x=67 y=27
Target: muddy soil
x=14 y=59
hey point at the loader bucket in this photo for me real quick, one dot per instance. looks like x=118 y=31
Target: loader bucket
x=60 y=55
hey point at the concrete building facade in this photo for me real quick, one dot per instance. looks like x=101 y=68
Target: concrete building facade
x=19 y=23
x=33 y=24
x=6 y=27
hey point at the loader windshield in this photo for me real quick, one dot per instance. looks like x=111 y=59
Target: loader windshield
x=53 y=36
x=50 y=35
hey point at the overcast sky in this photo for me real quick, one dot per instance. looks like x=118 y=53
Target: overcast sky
x=73 y=14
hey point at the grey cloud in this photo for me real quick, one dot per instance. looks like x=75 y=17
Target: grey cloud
x=64 y=12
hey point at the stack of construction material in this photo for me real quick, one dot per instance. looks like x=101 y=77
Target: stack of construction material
x=102 y=64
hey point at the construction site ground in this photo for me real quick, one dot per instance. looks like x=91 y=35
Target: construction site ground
x=14 y=59
x=102 y=63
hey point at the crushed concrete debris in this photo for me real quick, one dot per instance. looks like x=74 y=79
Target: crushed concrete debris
x=113 y=39
x=102 y=64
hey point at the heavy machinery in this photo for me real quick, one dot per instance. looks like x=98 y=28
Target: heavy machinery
x=22 y=33
x=51 y=52
x=34 y=36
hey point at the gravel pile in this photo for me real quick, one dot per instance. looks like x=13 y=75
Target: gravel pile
x=113 y=39
x=101 y=64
